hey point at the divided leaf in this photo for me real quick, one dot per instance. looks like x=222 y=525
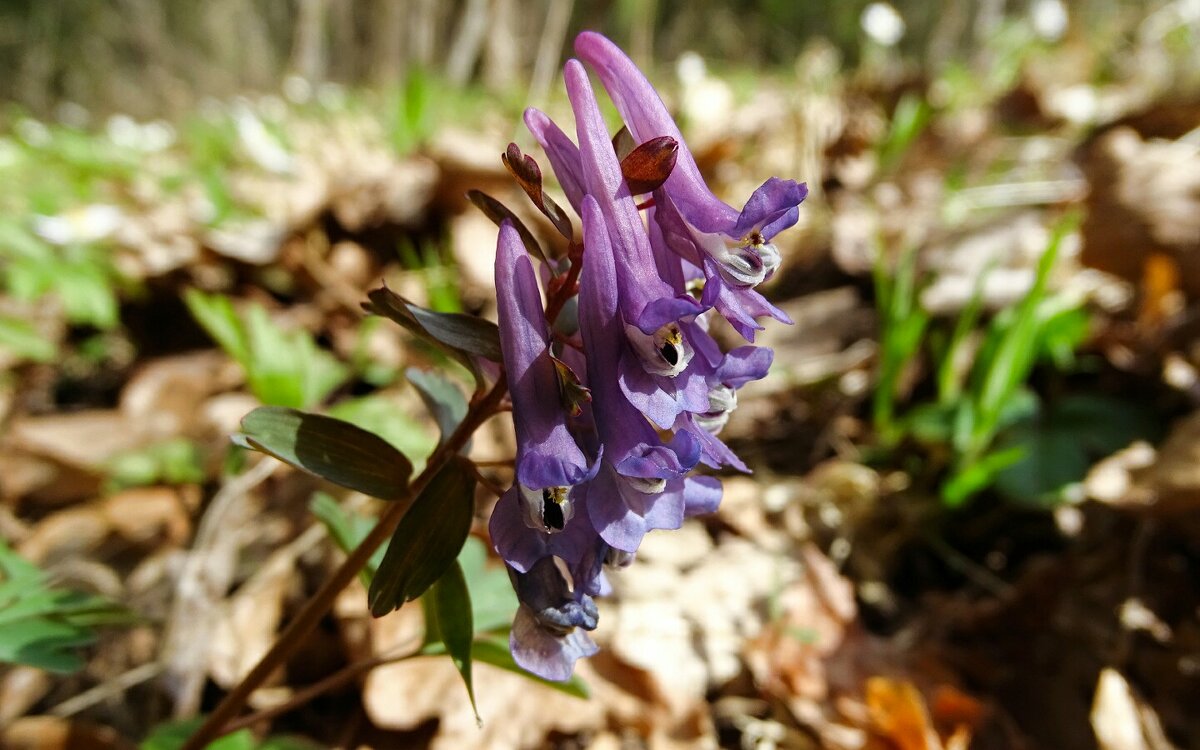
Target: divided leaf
x=498 y=213
x=649 y=165
x=329 y=448
x=427 y=540
x=464 y=337
x=526 y=172
x=42 y=626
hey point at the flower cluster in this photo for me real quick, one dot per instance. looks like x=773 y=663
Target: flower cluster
x=593 y=478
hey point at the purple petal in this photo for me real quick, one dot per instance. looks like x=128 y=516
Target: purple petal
x=562 y=152
x=771 y=209
x=547 y=454
x=647 y=117
x=517 y=544
x=665 y=310
x=661 y=461
x=744 y=364
x=637 y=273
x=701 y=495
x=739 y=305
x=660 y=398
x=521 y=546
x=713 y=451
x=549 y=656
x=622 y=515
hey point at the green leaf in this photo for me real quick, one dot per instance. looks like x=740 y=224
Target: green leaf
x=42 y=626
x=329 y=448
x=977 y=475
x=443 y=399
x=493 y=601
x=347 y=530
x=283 y=368
x=390 y=420
x=87 y=294
x=22 y=338
x=452 y=611
x=215 y=314
x=462 y=336
x=172 y=735
x=427 y=540
x=1060 y=445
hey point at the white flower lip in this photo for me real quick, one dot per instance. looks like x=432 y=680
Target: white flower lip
x=665 y=353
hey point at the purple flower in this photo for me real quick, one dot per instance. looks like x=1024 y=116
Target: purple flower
x=549 y=462
x=548 y=633
x=640 y=486
x=660 y=387
x=733 y=249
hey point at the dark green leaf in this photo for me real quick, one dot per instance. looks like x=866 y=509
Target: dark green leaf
x=462 y=336
x=391 y=420
x=427 y=540
x=330 y=448
x=452 y=610
x=1060 y=444
x=499 y=213
x=443 y=399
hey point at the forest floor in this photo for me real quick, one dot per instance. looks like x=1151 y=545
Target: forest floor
x=974 y=518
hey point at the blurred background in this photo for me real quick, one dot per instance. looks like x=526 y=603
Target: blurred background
x=975 y=514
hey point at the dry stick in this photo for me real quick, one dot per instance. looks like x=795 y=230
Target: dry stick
x=332 y=682
x=308 y=618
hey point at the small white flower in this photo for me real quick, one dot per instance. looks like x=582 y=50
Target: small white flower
x=259 y=144
x=1049 y=18
x=883 y=24
x=157 y=135
x=80 y=225
x=123 y=131
x=33 y=132
x=297 y=89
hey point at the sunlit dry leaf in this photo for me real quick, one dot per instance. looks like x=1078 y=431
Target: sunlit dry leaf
x=54 y=733
x=516 y=712
x=249 y=620
x=899 y=714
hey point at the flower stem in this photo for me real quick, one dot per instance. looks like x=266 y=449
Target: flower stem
x=299 y=628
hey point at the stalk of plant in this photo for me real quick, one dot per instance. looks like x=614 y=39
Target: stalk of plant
x=615 y=405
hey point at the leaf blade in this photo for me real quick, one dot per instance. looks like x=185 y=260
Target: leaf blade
x=427 y=540
x=334 y=450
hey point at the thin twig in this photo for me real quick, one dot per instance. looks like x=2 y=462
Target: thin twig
x=107 y=689
x=319 y=688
